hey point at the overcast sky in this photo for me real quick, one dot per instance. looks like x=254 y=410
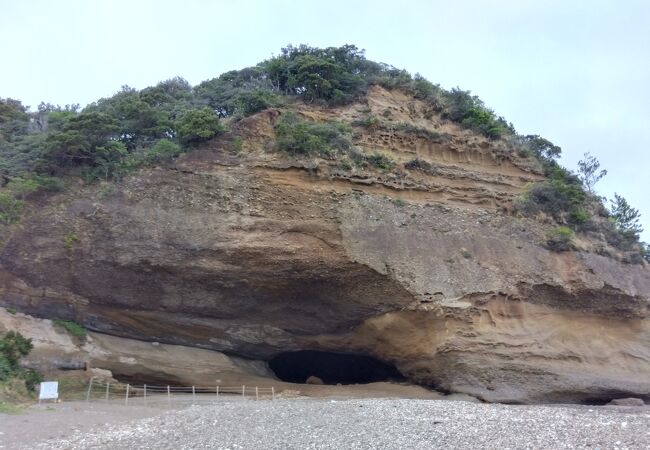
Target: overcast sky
x=576 y=72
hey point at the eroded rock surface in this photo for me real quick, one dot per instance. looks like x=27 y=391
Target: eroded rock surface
x=257 y=253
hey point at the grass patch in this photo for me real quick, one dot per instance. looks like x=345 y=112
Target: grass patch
x=69 y=240
x=71 y=327
x=10 y=408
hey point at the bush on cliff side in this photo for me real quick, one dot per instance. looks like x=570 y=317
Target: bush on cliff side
x=13 y=346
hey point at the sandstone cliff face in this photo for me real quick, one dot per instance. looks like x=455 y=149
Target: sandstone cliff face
x=256 y=253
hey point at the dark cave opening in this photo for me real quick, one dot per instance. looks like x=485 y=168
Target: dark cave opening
x=332 y=368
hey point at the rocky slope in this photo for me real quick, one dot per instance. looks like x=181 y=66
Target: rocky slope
x=252 y=253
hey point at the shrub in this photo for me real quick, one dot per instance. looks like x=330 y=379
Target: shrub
x=237 y=145
x=469 y=110
x=10 y=208
x=13 y=346
x=31 y=377
x=345 y=163
x=367 y=122
x=418 y=164
x=380 y=161
x=421 y=132
x=484 y=121
x=69 y=240
x=579 y=217
x=29 y=184
x=300 y=137
x=541 y=148
x=11 y=310
x=248 y=103
x=162 y=150
x=562 y=197
x=71 y=327
x=560 y=239
x=198 y=125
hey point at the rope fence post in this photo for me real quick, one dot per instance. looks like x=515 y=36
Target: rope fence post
x=90 y=386
x=108 y=388
x=257 y=396
x=169 y=397
x=193 y=394
x=243 y=391
x=272 y=393
x=145 y=395
x=126 y=398
x=217 y=391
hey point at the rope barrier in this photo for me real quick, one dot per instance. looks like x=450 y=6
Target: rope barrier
x=105 y=390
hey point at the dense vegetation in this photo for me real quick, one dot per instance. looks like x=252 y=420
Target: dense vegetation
x=331 y=140
x=13 y=346
x=116 y=135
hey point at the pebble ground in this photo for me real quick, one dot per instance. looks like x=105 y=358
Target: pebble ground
x=374 y=424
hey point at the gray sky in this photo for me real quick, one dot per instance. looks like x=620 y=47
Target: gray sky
x=575 y=72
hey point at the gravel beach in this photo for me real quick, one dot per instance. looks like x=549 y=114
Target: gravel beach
x=372 y=424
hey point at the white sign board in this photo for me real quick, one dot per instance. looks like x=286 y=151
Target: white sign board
x=49 y=390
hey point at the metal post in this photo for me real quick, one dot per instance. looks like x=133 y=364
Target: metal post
x=193 y=394
x=126 y=399
x=272 y=393
x=108 y=387
x=257 y=396
x=217 y=391
x=145 y=395
x=169 y=397
x=90 y=386
x=243 y=391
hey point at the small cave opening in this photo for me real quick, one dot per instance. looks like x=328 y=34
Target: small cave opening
x=332 y=368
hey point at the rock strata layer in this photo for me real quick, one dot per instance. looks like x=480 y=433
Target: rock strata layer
x=257 y=253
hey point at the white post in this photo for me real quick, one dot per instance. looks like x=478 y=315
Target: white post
x=193 y=394
x=108 y=387
x=257 y=396
x=243 y=391
x=169 y=397
x=145 y=395
x=217 y=391
x=272 y=393
x=126 y=398
x=90 y=386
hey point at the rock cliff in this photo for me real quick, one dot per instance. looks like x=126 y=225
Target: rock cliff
x=253 y=253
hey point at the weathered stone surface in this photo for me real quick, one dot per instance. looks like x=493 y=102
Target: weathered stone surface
x=104 y=355
x=257 y=253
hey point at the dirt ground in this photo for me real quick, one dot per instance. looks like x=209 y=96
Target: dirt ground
x=58 y=420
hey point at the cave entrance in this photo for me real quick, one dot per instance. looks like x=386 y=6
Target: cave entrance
x=332 y=368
